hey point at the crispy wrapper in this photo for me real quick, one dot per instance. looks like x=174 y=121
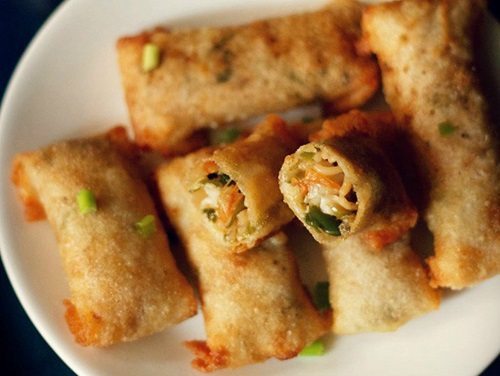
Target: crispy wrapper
x=371 y=186
x=123 y=285
x=376 y=291
x=254 y=304
x=247 y=206
x=425 y=51
x=211 y=76
x=377 y=282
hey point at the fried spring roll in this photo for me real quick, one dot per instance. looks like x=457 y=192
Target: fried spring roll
x=339 y=186
x=235 y=188
x=124 y=282
x=376 y=281
x=425 y=50
x=254 y=304
x=211 y=76
x=376 y=291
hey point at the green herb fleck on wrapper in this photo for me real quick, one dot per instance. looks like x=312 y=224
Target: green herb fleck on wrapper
x=224 y=136
x=446 y=128
x=146 y=226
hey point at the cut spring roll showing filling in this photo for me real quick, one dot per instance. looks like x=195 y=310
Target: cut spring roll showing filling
x=209 y=76
x=425 y=51
x=235 y=188
x=254 y=304
x=123 y=281
x=338 y=186
x=376 y=291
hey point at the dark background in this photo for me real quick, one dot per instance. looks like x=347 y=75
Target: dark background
x=23 y=350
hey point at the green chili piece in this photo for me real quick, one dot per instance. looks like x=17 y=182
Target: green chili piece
x=321 y=221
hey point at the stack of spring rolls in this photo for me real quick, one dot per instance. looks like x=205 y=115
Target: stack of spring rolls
x=348 y=184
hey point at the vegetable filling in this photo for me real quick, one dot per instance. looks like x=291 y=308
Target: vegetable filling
x=223 y=203
x=328 y=197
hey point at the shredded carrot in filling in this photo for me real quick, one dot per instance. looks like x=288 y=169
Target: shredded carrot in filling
x=230 y=200
x=223 y=203
x=323 y=185
x=210 y=166
x=314 y=177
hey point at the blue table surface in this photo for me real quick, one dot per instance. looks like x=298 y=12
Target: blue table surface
x=23 y=350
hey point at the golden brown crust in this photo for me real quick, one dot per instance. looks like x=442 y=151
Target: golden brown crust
x=376 y=292
x=122 y=286
x=254 y=304
x=353 y=141
x=425 y=51
x=211 y=76
x=253 y=163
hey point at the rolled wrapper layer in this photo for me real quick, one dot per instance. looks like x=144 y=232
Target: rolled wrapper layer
x=254 y=304
x=210 y=76
x=124 y=282
x=376 y=291
x=339 y=186
x=235 y=188
x=425 y=50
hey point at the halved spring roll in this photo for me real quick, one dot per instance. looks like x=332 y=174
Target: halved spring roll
x=425 y=51
x=254 y=304
x=235 y=188
x=338 y=186
x=123 y=281
x=376 y=291
x=210 y=76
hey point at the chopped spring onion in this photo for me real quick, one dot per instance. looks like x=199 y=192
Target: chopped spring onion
x=224 y=136
x=315 y=348
x=446 y=128
x=320 y=296
x=86 y=201
x=321 y=221
x=146 y=226
x=210 y=213
x=150 y=57
x=307 y=119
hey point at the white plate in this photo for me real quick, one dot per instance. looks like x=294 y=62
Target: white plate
x=67 y=85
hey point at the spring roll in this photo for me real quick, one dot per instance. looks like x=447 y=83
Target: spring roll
x=235 y=188
x=425 y=50
x=123 y=281
x=376 y=280
x=254 y=304
x=210 y=76
x=376 y=291
x=337 y=187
